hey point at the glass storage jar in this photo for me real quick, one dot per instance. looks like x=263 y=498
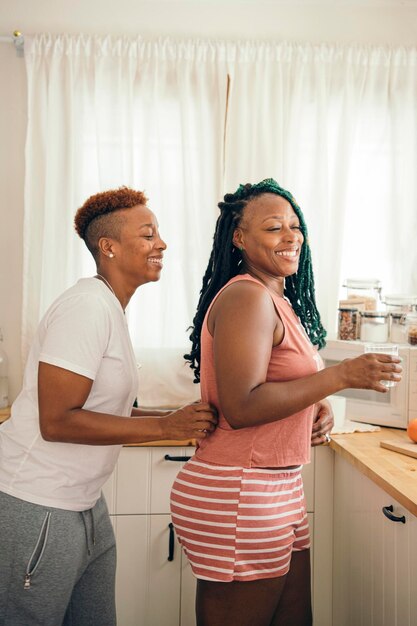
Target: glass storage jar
x=348 y=323
x=374 y=326
x=411 y=328
x=398 y=329
x=400 y=303
x=359 y=305
x=367 y=289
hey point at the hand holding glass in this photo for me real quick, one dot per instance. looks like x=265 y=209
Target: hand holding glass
x=383 y=348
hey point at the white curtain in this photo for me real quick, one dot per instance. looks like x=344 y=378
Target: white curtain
x=110 y=112
x=337 y=127
x=187 y=121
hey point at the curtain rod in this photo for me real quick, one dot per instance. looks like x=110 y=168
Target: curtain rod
x=17 y=39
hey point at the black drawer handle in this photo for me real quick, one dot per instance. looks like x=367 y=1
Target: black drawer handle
x=387 y=511
x=171 y=542
x=168 y=457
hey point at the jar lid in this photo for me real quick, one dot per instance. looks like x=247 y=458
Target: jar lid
x=363 y=283
x=348 y=308
x=374 y=314
x=397 y=316
x=400 y=299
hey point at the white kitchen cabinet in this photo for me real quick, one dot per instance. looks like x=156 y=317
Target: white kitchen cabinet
x=321 y=528
x=147 y=584
x=141 y=482
x=188 y=585
x=152 y=591
x=375 y=559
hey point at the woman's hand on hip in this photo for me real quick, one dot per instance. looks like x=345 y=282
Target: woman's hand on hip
x=323 y=423
x=193 y=421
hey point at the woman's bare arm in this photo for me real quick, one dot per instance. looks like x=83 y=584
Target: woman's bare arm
x=62 y=394
x=244 y=327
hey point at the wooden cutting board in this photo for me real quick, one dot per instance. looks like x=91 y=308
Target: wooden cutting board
x=410 y=449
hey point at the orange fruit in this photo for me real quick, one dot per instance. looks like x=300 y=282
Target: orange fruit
x=412 y=430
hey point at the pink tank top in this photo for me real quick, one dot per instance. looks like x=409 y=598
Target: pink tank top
x=277 y=444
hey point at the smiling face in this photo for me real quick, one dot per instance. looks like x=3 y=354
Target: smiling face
x=270 y=236
x=139 y=249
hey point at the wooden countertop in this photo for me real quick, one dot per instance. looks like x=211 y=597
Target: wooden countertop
x=395 y=473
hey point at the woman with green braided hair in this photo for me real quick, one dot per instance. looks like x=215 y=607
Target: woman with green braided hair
x=238 y=505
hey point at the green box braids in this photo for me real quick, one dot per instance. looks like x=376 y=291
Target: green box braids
x=225 y=261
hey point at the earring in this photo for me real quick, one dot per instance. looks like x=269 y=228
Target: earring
x=241 y=248
x=111 y=255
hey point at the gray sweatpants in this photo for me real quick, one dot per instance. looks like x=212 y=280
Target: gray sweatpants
x=57 y=567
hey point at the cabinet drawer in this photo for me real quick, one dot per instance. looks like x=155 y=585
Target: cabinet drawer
x=142 y=479
x=164 y=472
x=147 y=584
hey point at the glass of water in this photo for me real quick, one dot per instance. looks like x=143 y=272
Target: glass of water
x=383 y=348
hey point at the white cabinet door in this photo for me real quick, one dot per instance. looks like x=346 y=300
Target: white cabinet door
x=322 y=535
x=147 y=584
x=188 y=588
x=375 y=559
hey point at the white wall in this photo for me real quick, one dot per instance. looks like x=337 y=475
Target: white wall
x=12 y=142
x=366 y=21
x=362 y=21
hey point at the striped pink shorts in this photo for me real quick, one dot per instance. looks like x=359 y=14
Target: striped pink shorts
x=239 y=524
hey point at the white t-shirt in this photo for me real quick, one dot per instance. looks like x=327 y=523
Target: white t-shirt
x=84 y=331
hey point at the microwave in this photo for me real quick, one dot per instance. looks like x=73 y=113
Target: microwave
x=395 y=408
